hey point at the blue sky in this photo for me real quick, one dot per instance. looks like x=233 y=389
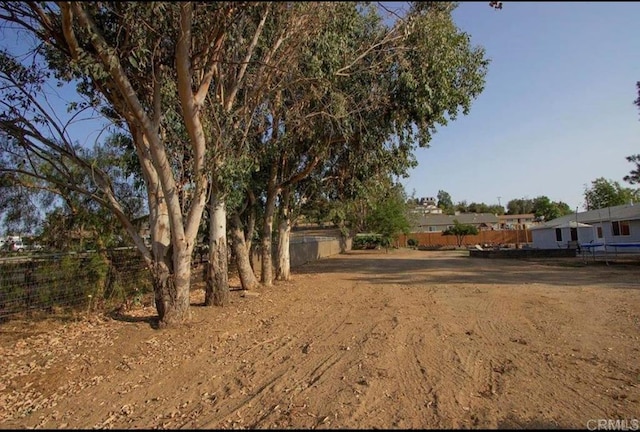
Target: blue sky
x=557 y=110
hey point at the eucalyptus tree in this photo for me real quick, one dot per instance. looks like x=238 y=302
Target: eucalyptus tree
x=255 y=65
x=40 y=198
x=400 y=83
x=133 y=60
x=292 y=143
x=289 y=144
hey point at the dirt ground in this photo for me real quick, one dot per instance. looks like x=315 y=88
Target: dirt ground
x=368 y=339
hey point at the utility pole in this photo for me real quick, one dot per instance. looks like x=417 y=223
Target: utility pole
x=500 y=225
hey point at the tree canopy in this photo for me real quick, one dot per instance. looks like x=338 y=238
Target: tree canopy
x=460 y=230
x=607 y=193
x=634 y=176
x=389 y=214
x=231 y=104
x=444 y=201
x=542 y=207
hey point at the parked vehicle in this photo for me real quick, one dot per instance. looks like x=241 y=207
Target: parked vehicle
x=13 y=244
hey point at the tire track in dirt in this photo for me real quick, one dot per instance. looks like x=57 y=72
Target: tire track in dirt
x=382 y=341
x=514 y=332
x=321 y=352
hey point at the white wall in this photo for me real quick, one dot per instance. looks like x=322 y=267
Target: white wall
x=545 y=238
x=609 y=238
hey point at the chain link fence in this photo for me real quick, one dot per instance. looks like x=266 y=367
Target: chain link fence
x=49 y=283
x=41 y=284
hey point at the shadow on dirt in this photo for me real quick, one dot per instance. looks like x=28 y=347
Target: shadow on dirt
x=117 y=315
x=384 y=268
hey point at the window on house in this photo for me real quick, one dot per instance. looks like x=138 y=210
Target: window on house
x=620 y=228
x=599 y=231
x=558 y=234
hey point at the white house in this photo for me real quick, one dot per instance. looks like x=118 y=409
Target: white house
x=614 y=229
x=561 y=235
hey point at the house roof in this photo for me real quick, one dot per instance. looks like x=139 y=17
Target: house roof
x=517 y=216
x=621 y=212
x=464 y=218
x=567 y=224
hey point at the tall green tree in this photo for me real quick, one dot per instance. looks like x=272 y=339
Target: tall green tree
x=377 y=93
x=133 y=63
x=520 y=206
x=389 y=214
x=444 y=201
x=545 y=209
x=607 y=193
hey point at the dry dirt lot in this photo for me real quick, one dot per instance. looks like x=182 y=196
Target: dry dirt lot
x=408 y=339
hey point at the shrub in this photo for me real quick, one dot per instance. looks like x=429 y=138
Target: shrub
x=368 y=241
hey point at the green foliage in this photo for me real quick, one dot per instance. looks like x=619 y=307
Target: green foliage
x=388 y=217
x=542 y=207
x=520 y=206
x=637 y=101
x=607 y=193
x=634 y=176
x=369 y=241
x=485 y=208
x=545 y=209
x=440 y=75
x=412 y=242
x=462 y=206
x=72 y=281
x=460 y=230
x=445 y=202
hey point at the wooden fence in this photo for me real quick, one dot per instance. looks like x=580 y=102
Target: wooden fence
x=483 y=238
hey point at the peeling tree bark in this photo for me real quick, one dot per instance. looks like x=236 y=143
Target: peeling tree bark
x=266 y=276
x=245 y=270
x=217 y=285
x=284 y=235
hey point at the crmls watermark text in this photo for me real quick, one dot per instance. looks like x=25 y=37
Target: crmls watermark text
x=613 y=425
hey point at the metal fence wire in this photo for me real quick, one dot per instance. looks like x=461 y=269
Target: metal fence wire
x=76 y=281
x=100 y=280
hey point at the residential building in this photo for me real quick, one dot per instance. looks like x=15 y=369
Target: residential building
x=428 y=205
x=440 y=222
x=517 y=221
x=611 y=228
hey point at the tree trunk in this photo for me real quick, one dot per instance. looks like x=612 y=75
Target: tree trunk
x=343 y=237
x=284 y=256
x=266 y=276
x=251 y=228
x=245 y=270
x=171 y=289
x=284 y=234
x=217 y=285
